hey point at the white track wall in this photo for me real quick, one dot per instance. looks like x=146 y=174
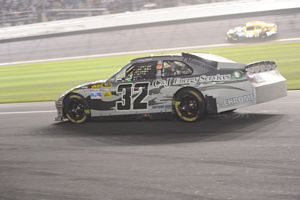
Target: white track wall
x=146 y=17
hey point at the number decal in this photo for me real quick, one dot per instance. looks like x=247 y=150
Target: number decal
x=126 y=90
x=143 y=92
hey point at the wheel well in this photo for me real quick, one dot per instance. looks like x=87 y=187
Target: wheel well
x=64 y=100
x=189 y=88
x=198 y=92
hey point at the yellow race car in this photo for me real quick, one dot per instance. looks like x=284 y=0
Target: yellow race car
x=252 y=30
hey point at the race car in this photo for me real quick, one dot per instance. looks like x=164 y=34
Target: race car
x=188 y=85
x=252 y=30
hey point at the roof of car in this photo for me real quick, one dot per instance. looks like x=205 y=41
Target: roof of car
x=152 y=58
x=255 y=23
x=213 y=57
x=202 y=56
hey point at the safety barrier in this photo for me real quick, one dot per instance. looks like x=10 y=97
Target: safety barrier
x=145 y=17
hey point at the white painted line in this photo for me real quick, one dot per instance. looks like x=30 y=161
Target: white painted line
x=288 y=39
x=135 y=52
x=27 y=112
x=118 y=54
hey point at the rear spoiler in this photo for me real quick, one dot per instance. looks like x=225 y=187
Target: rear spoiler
x=261 y=66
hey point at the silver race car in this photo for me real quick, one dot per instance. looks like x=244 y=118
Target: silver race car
x=187 y=85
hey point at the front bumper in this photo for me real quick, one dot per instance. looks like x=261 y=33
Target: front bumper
x=59 y=108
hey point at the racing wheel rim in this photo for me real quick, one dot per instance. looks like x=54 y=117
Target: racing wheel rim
x=76 y=109
x=188 y=106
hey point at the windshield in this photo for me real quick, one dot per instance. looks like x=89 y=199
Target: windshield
x=120 y=74
x=250 y=28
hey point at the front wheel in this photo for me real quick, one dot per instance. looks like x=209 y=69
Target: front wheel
x=76 y=109
x=188 y=105
x=233 y=39
x=263 y=35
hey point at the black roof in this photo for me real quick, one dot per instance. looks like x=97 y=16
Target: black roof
x=150 y=58
x=183 y=55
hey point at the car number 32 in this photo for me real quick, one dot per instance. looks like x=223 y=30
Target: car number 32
x=129 y=95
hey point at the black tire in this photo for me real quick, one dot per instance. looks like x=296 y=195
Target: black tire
x=233 y=39
x=263 y=36
x=188 y=105
x=76 y=109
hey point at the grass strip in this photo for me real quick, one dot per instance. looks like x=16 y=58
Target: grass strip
x=46 y=81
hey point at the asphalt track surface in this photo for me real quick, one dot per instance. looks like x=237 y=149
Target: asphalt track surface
x=140 y=38
x=253 y=153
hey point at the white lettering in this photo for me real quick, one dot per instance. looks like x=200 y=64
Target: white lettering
x=239 y=100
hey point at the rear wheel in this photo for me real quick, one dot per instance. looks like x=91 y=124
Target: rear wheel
x=188 y=105
x=76 y=109
x=263 y=35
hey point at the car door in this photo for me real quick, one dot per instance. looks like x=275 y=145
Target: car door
x=169 y=73
x=127 y=91
x=133 y=90
x=258 y=30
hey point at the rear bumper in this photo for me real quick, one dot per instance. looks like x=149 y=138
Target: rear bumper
x=266 y=80
x=270 y=91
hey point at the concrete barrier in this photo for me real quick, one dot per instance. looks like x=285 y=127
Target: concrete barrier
x=145 y=17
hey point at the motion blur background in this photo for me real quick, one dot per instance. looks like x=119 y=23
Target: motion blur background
x=49 y=46
x=15 y=12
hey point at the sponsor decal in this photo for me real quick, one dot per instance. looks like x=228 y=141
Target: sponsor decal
x=107 y=85
x=237 y=75
x=96 y=95
x=162 y=83
x=97 y=86
x=191 y=80
x=107 y=94
x=99 y=95
x=100 y=85
x=183 y=81
x=215 y=78
x=239 y=100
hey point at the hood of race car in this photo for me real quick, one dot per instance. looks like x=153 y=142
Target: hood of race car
x=88 y=85
x=82 y=86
